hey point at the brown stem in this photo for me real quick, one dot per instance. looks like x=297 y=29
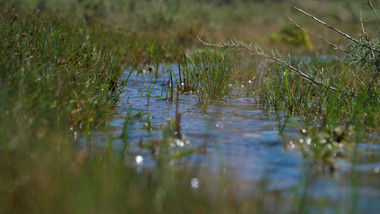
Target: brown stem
x=372 y=8
x=338 y=31
x=365 y=33
x=363 y=30
x=327 y=41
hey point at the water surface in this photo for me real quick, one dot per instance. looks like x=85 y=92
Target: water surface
x=238 y=138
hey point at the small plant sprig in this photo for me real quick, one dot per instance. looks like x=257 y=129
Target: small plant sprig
x=148 y=124
x=148 y=88
x=347 y=36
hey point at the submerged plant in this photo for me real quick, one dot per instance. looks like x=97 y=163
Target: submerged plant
x=148 y=88
x=148 y=124
x=324 y=145
x=173 y=144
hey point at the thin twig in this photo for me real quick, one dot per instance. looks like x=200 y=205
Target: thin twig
x=239 y=45
x=327 y=41
x=372 y=8
x=362 y=25
x=338 y=31
x=365 y=33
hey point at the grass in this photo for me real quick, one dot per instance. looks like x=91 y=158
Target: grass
x=62 y=74
x=337 y=92
x=210 y=73
x=55 y=77
x=179 y=22
x=47 y=65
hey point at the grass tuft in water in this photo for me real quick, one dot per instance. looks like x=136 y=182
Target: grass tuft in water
x=211 y=74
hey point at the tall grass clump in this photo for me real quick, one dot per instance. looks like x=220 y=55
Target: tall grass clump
x=211 y=72
x=55 y=79
x=50 y=67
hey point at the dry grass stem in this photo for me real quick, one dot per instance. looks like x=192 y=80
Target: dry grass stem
x=337 y=30
x=372 y=8
x=325 y=40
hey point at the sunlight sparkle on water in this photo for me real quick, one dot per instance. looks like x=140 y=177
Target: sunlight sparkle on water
x=139 y=160
x=376 y=170
x=179 y=143
x=291 y=143
x=308 y=141
x=194 y=183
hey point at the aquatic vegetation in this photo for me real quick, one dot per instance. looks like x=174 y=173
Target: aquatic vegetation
x=148 y=124
x=148 y=88
x=211 y=74
x=174 y=143
x=324 y=146
x=205 y=72
x=127 y=120
x=185 y=78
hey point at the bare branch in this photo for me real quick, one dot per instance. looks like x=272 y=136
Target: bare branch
x=327 y=41
x=365 y=33
x=363 y=30
x=338 y=31
x=372 y=8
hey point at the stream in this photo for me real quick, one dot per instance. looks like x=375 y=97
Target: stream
x=236 y=137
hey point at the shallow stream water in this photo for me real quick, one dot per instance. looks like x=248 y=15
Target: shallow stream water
x=238 y=138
